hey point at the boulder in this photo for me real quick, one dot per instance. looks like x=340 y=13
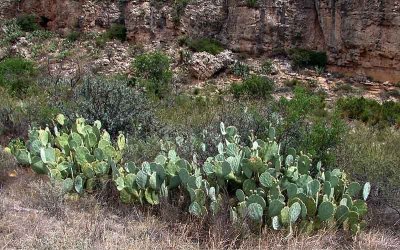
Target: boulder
x=204 y=65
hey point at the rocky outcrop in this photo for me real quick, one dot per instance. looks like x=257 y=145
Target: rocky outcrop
x=359 y=36
x=204 y=65
x=57 y=15
x=8 y=9
x=64 y=16
x=147 y=23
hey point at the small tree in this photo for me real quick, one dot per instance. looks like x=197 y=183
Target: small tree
x=17 y=75
x=254 y=86
x=28 y=23
x=153 y=69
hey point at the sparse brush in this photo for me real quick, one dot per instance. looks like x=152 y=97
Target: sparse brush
x=48 y=196
x=8 y=165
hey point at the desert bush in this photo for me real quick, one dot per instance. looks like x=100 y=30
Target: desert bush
x=265 y=187
x=319 y=70
x=267 y=67
x=308 y=84
x=373 y=154
x=178 y=10
x=111 y=101
x=252 y=3
x=10 y=32
x=305 y=125
x=11 y=119
x=191 y=113
x=303 y=58
x=17 y=75
x=343 y=87
x=40 y=35
x=116 y=31
x=153 y=70
x=28 y=22
x=241 y=69
x=101 y=40
x=370 y=111
x=254 y=86
x=73 y=36
x=205 y=45
x=293 y=83
x=17 y=114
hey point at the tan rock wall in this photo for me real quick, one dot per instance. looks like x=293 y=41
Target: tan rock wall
x=362 y=35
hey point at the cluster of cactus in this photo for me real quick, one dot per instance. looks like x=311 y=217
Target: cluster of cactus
x=263 y=186
x=81 y=157
x=168 y=172
x=279 y=191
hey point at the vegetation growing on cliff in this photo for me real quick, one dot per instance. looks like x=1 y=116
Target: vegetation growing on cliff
x=302 y=58
x=204 y=45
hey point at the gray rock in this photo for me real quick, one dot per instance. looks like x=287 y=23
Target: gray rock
x=204 y=65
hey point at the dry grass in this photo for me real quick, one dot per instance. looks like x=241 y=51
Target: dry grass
x=30 y=219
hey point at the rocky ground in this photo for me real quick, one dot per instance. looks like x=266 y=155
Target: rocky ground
x=59 y=57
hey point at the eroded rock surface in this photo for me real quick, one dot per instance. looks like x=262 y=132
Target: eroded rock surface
x=359 y=36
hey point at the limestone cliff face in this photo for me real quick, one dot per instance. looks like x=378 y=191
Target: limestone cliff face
x=361 y=36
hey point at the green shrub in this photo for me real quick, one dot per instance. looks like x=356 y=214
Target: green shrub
x=319 y=70
x=73 y=36
x=28 y=23
x=305 y=125
x=154 y=70
x=111 y=101
x=343 y=87
x=101 y=40
x=178 y=10
x=241 y=69
x=17 y=114
x=251 y=177
x=12 y=119
x=117 y=31
x=293 y=83
x=17 y=75
x=252 y=3
x=370 y=111
x=40 y=35
x=205 y=45
x=10 y=32
x=254 y=86
x=373 y=154
x=303 y=58
x=267 y=67
x=196 y=91
x=308 y=84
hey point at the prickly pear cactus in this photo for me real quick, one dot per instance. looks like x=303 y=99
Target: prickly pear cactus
x=77 y=153
x=262 y=184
